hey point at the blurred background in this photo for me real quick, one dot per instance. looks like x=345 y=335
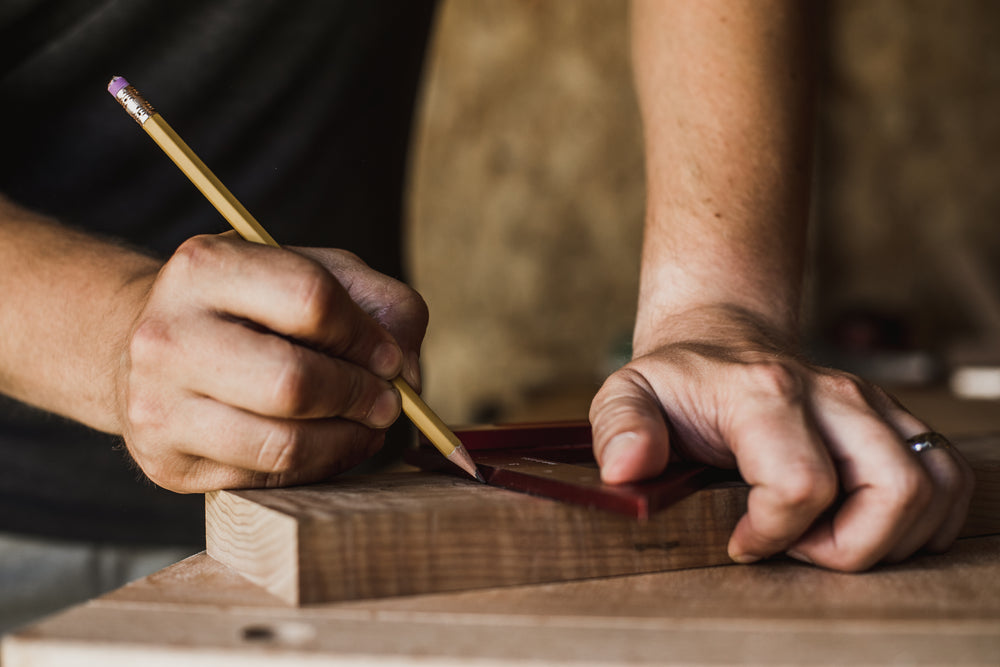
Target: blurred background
x=526 y=200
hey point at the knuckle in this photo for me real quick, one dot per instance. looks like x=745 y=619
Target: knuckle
x=776 y=379
x=314 y=296
x=150 y=343
x=195 y=253
x=807 y=489
x=848 y=388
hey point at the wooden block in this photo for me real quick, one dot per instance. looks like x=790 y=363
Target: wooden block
x=411 y=533
x=408 y=533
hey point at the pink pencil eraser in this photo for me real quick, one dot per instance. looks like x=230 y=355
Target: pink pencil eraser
x=117 y=83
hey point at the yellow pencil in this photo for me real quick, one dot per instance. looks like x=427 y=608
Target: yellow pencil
x=247 y=226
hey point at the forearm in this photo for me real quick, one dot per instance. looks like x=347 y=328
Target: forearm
x=67 y=302
x=725 y=91
x=725 y=94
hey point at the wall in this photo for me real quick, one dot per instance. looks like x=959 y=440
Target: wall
x=527 y=200
x=527 y=187
x=909 y=176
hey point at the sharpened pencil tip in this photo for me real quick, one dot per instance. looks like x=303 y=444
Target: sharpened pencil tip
x=460 y=457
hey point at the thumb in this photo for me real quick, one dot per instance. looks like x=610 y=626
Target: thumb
x=398 y=308
x=631 y=441
x=407 y=322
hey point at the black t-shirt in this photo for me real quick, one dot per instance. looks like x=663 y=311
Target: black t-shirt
x=302 y=108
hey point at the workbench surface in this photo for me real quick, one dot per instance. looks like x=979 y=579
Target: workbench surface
x=932 y=609
x=942 y=609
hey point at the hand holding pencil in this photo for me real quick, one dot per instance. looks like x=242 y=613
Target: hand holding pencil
x=255 y=366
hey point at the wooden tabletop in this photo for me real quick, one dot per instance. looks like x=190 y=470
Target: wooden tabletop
x=931 y=610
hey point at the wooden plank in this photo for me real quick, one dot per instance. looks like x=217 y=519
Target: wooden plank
x=409 y=533
x=931 y=610
x=413 y=533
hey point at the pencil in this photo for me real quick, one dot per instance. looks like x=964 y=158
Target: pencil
x=247 y=226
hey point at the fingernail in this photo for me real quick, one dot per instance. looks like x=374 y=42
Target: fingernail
x=745 y=559
x=385 y=410
x=798 y=555
x=614 y=457
x=386 y=360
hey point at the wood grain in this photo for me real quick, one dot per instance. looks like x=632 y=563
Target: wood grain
x=930 y=610
x=409 y=533
x=412 y=533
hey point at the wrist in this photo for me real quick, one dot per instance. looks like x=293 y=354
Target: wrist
x=121 y=321
x=724 y=324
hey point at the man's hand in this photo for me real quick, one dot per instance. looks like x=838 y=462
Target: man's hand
x=252 y=366
x=725 y=90
x=833 y=481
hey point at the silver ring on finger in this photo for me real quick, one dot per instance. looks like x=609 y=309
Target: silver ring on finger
x=924 y=442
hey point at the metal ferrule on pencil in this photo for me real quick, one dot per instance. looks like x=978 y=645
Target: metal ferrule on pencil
x=135 y=104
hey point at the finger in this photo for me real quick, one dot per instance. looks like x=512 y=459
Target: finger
x=954 y=520
x=905 y=422
x=406 y=320
x=945 y=477
x=199 y=475
x=262 y=373
x=392 y=303
x=272 y=376
x=631 y=441
x=288 y=294
x=940 y=469
x=886 y=488
x=951 y=481
x=407 y=324
x=792 y=477
x=218 y=446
